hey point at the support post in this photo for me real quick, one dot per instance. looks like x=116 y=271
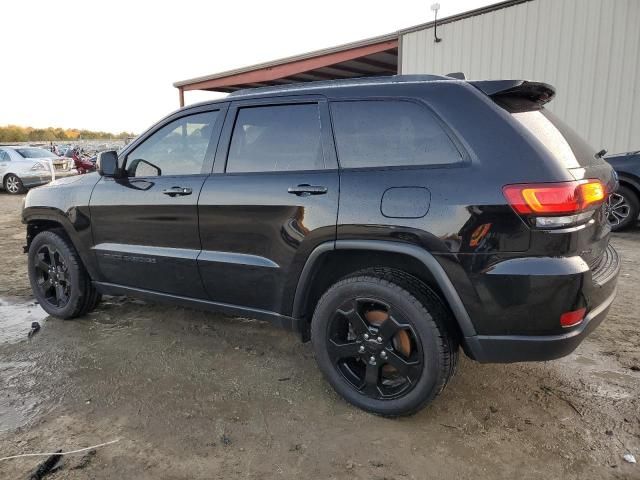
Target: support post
x=181 y=94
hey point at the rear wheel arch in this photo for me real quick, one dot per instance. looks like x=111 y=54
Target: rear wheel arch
x=330 y=262
x=391 y=323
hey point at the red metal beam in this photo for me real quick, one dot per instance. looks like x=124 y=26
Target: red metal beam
x=291 y=68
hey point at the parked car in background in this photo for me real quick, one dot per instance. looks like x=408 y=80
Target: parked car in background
x=83 y=163
x=623 y=206
x=23 y=167
x=375 y=216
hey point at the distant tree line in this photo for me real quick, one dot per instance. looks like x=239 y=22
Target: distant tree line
x=15 y=133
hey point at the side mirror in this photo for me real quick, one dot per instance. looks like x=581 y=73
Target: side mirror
x=107 y=164
x=142 y=168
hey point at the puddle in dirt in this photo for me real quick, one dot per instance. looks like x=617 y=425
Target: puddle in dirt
x=16 y=318
x=608 y=378
x=17 y=406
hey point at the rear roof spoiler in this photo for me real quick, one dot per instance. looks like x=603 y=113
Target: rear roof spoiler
x=536 y=92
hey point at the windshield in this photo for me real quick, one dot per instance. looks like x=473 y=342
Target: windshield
x=35 y=153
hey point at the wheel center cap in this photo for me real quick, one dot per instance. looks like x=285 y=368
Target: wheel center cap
x=373 y=346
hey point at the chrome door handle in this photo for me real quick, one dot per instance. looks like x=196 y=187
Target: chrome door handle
x=306 y=190
x=175 y=191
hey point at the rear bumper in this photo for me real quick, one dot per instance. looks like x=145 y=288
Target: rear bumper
x=597 y=289
x=36 y=179
x=66 y=173
x=533 y=348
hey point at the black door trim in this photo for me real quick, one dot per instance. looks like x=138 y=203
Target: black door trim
x=282 y=321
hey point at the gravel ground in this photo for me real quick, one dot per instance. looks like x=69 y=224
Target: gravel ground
x=197 y=395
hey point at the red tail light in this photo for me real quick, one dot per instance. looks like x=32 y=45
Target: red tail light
x=555 y=198
x=571 y=319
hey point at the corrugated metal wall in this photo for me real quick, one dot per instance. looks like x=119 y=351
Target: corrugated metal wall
x=588 y=49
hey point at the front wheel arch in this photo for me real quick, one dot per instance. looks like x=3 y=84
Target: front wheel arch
x=58 y=278
x=36 y=226
x=38 y=219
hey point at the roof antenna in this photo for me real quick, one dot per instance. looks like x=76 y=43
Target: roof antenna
x=434 y=8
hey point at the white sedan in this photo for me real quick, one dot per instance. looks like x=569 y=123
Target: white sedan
x=23 y=167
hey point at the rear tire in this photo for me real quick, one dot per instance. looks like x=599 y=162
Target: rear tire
x=622 y=209
x=386 y=327
x=13 y=185
x=58 y=278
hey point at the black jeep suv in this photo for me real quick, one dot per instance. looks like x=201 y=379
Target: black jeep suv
x=390 y=220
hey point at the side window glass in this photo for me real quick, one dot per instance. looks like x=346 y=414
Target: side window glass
x=4 y=156
x=382 y=133
x=276 y=138
x=178 y=148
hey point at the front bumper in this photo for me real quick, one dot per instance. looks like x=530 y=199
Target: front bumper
x=598 y=287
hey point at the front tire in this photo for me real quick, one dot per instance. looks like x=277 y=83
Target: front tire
x=13 y=185
x=383 y=340
x=58 y=278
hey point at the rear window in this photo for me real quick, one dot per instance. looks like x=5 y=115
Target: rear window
x=276 y=138
x=386 y=133
x=35 y=153
x=558 y=137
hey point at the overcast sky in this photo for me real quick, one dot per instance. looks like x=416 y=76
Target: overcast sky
x=110 y=65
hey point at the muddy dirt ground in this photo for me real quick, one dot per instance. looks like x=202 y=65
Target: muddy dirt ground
x=197 y=395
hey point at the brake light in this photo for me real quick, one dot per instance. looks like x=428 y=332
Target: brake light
x=571 y=319
x=554 y=198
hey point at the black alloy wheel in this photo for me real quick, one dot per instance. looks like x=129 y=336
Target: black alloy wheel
x=622 y=208
x=52 y=276
x=374 y=348
x=58 y=278
x=384 y=341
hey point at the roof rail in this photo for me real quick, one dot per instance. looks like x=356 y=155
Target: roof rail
x=347 y=82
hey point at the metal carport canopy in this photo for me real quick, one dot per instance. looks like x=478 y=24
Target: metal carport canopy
x=372 y=57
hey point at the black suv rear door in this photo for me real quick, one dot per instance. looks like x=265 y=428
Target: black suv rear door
x=145 y=225
x=273 y=197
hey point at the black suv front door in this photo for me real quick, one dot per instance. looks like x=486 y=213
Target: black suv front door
x=145 y=225
x=273 y=197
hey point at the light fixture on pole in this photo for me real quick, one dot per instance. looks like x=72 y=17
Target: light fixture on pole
x=434 y=8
